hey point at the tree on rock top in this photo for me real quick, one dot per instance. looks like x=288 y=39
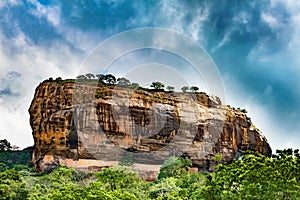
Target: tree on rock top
x=109 y=79
x=123 y=81
x=185 y=88
x=81 y=77
x=170 y=88
x=157 y=85
x=194 y=88
x=100 y=77
x=90 y=75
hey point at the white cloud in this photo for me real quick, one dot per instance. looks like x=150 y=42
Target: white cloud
x=174 y=15
x=294 y=45
x=11 y=83
x=4 y=3
x=242 y=18
x=195 y=26
x=34 y=63
x=270 y=20
x=293 y=6
x=287 y=29
x=225 y=39
x=51 y=13
x=82 y=40
x=14 y=126
x=276 y=133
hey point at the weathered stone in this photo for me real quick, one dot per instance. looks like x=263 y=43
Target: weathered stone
x=106 y=123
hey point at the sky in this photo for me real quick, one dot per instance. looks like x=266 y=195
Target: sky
x=254 y=44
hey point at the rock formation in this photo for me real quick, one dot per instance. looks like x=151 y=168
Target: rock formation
x=86 y=126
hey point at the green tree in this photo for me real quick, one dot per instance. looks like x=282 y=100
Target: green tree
x=61 y=183
x=174 y=167
x=127 y=161
x=5 y=145
x=90 y=75
x=194 y=88
x=123 y=81
x=12 y=186
x=118 y=177
x=165 y=189
x=81 y=77
x=134 y=85
x=185 y=88
x=100 y=77
x=255 y=176
x=157 y=85
x=9 y=159
x=122 y=179
x=242 y=110
x=170 y=88
x=109 y=79
x=58 y=79
x=218 y=158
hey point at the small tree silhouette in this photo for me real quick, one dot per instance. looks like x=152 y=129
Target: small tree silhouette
x=109 y=79
x=170 y=88
x=81 y=77
x=90 y=75
x=134 y=85
x=185 y=88
x=58 y=79
x=100 y=77
x=194 y=88
x=5 y=145
x=123 y=81
x=157 y=85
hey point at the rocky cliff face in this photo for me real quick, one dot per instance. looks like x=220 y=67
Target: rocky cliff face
x=84 y=125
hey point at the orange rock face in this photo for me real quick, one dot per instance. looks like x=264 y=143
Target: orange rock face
x=84 y=125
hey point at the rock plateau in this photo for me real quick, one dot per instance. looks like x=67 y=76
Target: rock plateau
x=88 y=126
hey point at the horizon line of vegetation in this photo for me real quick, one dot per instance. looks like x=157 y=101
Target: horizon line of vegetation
x=111 y=80
x=251 y=176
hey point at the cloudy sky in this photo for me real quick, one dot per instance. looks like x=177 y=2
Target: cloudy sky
x=254 y=44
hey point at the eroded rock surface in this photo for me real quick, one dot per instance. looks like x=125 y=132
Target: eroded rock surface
x=107 y=124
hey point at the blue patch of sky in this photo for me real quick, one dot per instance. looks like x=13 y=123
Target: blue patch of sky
x=37 y=29
x=91 y=15
x=8 y=92
x=45 y=2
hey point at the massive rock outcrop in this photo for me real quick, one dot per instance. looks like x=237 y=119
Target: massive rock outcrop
x=86 y=126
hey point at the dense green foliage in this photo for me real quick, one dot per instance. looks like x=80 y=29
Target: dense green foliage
x=5 y=145
x=174 y=167
x=256 y=177
x=10 y=158
x=253 y=176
